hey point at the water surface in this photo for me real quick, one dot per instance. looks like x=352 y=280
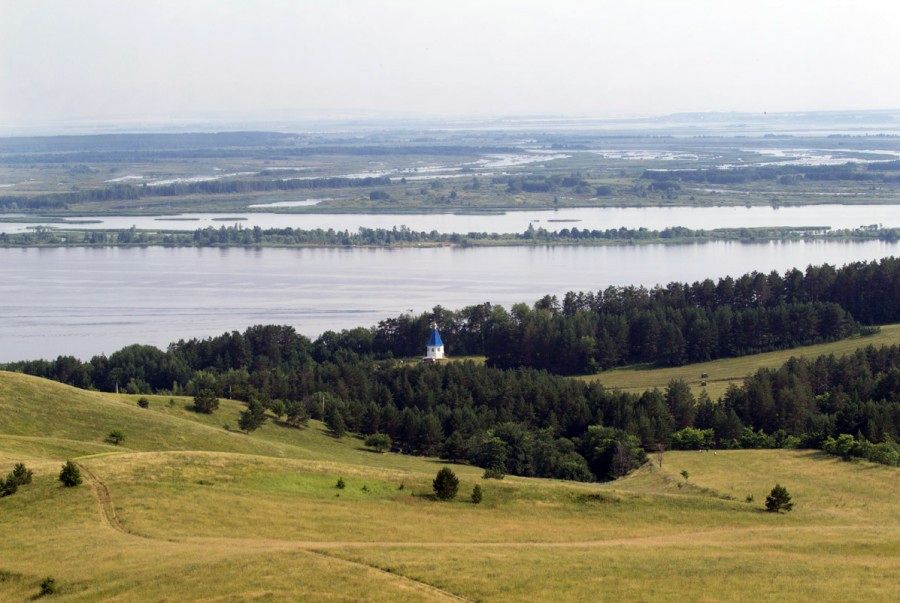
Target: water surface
x=86 y=301
x=655 y=218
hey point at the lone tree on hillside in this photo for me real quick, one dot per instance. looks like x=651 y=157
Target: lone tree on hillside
x=115 y=437
x=379 y=442
x=205 y=399
x=70 y=476
x=477 y=494
x=779 y=500
x=445 y=484
x=253 y=416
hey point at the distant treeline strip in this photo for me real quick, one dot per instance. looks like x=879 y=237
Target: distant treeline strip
x=883 y=171
x=238 y=236
x=523 y=422
x=123 y=192
x=273 y=152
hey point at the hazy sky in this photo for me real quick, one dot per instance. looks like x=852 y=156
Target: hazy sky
x=64 y=61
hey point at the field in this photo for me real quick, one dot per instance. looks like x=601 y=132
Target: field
x=473 y=172
x=184 y=509
x=722 y=373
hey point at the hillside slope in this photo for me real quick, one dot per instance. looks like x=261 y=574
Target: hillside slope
x=725 y=371
x=185 y=509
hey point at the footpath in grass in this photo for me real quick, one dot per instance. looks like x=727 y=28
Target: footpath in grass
x=202 y=512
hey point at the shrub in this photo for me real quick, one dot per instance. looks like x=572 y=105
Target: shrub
x=20 y=474
x=756 y=439
x=48 y=586
x=8 y=487
x=477 y=495
x=884 y=453
x=610 y=452
x=691 y=438
x=143 y=402
x=445 y=484
x=70 y=476
x=379 y=442
x=685 y=474
x=494 y=473
x=340 y=485
x=779 y=500
x=847 y=447
x=844 y=446
x=115 y=437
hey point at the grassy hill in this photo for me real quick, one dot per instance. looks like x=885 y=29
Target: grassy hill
x=721 y=373
x=185 y=509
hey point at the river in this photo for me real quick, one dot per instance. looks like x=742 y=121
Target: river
x=654 y=218
x=86 y=301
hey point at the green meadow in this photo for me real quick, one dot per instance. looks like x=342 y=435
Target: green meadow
x=725 y=371
x=185 y=509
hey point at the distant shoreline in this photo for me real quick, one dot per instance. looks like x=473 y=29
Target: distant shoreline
x=240 y=237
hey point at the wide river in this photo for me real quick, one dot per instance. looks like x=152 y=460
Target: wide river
x=86 y=301
x=654 y=218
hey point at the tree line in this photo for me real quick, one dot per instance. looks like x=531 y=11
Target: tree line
x=520 y=421
x=122 y=192
x=670 y=325
x=238 y=236
x=512 y=415
x=266 y=145
x=884 y=171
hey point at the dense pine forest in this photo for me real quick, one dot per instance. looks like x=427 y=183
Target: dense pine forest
x=515 y=415
x=671 y=325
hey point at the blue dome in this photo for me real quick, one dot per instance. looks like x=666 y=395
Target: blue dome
x=435 y=339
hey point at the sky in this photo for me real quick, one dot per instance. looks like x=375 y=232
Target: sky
x=64 y=62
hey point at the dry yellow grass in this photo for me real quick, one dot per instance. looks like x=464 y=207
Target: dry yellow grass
x=187 y=510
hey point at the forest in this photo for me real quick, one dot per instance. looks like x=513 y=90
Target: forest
x=671 y=325
x=514 y=415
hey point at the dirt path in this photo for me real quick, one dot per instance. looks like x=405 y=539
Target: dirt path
x=418 y=585
x=331 y=550
x=726 y=536
x=104 y=500
x=111 y=519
